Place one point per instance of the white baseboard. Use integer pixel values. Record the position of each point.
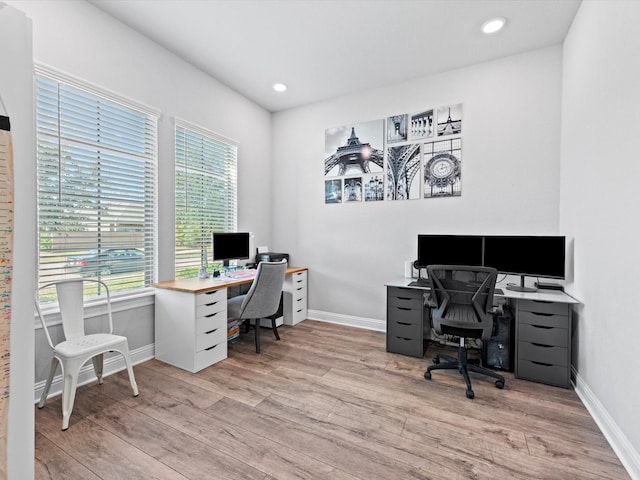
(111, 365)
(348, 320)
(629, 457)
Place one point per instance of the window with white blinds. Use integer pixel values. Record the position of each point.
(96, 185)
(206, 194)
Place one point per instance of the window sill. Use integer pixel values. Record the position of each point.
(119, 303)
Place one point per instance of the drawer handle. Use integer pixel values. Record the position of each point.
(211, 348)
(544, 327)
(210, 331)
(403, 308)
(541, 345)
(541, 314)
(300, 299)
(403, 338)
(210, 304)
(211, 315)
(542, 363)
(213, 292)
(403, 323)
(299, 288)
(298, 311)
(405, 298)
(299, 281)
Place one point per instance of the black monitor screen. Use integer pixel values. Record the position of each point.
(449, 250)
(230, 246)
(526, 255)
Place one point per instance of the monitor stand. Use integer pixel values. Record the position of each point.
(521, 287)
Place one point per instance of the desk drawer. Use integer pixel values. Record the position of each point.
(406, 315)
(413, 347)
(543, 307)
(295, 281)
(544, 319)
(211, 309)
(405, 302)
(543, 353)
(211, 355)
(210, 338)
(211, 322)
(543, 372)
(210, 297)
(543, 335)
(402, 329)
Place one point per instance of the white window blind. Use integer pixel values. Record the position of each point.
(206, 196)
(96, 185)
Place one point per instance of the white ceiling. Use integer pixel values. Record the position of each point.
(327, 48)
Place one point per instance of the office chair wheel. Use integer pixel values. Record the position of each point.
(470, 394)
(427, 375)
(499, 384)
(436, 360)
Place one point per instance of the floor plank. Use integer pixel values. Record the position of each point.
(325, 402)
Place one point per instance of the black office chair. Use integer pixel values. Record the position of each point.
(464, 299)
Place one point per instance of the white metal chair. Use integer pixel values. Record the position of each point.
(78, 347)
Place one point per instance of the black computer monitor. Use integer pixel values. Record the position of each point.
(449, 250)
(531, 256)
(230, 246)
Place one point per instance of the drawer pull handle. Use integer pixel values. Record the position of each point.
(211, 348)
(542, 363)
(541, 345)
(210, 331)
(541, 314)
(211, 315)
(299, 311)
(300, 299)
(213, 292)
(544, 327)
(403, 338)
(299, 289)
(403, 308)
(404, 298)
(210, 304)
(403, 323)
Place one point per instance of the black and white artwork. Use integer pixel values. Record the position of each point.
(442, 168)
(450, 120)
(354, 149)
(333, 191)
(403, 168)
(421, 125)
(352, 189)
(373, 188)
(397, 128)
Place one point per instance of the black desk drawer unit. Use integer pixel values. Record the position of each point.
(543, 349)
(404, 321)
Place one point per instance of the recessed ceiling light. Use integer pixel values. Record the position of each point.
(279, 87)
(493, 25)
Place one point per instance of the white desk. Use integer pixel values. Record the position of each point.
(191, 317)
(542, 328)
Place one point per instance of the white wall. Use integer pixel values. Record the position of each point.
(599, 207)
(510, 178)
(16, 65)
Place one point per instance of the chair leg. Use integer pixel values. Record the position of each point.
(132, 378)
(47, 386)
(70, 371)
(98, 362)
(274, 328)
(257, 328)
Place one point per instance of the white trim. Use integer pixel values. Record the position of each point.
(348, 320)
(140, 298)
(178, 122)
(51, 72)
(112, 365)
(620, 444)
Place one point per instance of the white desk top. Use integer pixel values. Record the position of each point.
(540, 295)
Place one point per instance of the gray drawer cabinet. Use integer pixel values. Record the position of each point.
(405, 331)
(543, 346)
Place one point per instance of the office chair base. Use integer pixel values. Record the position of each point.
(463, 366)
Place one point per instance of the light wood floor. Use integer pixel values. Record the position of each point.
(326, 402)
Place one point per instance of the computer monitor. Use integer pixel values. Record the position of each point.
(230, 246)
(449, 250)
(530, 256)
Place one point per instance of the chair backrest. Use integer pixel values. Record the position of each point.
(263, 298)
(70, 296)
(464, 299)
